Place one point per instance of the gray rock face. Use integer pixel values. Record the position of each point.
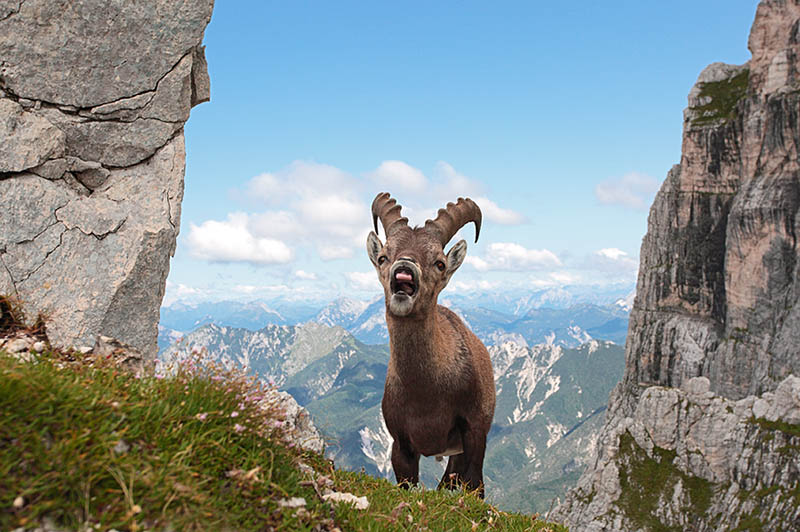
(714, 332)
(93, 100)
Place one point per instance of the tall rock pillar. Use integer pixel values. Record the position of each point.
(93, 98)
(704, 431)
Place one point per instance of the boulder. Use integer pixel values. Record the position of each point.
(95, 95)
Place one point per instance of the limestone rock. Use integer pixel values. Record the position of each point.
(711, 395)
(90, 53)
(28, 140)
(298, 425)
(95, 95)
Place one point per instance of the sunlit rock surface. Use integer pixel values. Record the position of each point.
(708, 408)
(93, 98)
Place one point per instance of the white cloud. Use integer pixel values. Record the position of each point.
(633, 190)
(315, 206)
(508, 256)
(611, 260)
(611, 253)
(472, 285)
(249, 289)
(367, 281)
(306, 276)
(179, 291)
(310, 204)
(333, 252)
(447, 186)
(394, 175)
(494, 213)
(232, 241)
(453, 185)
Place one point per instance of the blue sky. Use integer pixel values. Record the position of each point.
(561, 120)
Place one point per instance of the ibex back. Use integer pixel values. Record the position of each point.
(439, 395)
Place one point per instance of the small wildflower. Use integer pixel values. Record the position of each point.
(234, 414)
(201, 416)
(238, 428)
(19, 502)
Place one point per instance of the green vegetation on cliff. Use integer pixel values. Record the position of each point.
(724, 96)
(647, 481)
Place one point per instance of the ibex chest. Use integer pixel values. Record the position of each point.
(428, 421)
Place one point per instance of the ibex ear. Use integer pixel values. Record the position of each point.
(455, 257)
(374, 247)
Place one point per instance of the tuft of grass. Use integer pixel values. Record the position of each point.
(84, 442)
(392, 508)
(12, 319)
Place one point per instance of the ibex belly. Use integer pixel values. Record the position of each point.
(430, 438)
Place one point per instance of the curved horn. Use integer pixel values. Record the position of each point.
(455, 216)
(388, 210)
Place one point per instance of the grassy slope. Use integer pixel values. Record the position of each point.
(189, 463)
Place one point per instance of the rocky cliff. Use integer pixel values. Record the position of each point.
(703, 433)
(93, 98)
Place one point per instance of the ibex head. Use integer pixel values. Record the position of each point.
(412, 265)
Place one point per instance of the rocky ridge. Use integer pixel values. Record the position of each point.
(709, 402)
(93, 98)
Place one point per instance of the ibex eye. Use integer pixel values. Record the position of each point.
(440, 265)
(381, 259)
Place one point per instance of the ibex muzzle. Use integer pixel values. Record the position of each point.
(439, 396)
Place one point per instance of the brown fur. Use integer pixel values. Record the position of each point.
(439, 392)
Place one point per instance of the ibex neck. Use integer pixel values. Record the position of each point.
(412, 344)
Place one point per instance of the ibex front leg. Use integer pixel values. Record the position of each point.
(406, 465)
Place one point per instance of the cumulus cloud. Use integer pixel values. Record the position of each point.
(250, 289)
(633, 190)
(233, 241)
(179, 291)
(306, 276)
(509, 256)
(307, 204)
(446, 185)
(316, 206)
(494, 213)
(366, 281)
(393, 175)
(612, 260)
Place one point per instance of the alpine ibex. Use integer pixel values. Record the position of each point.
(439, 395)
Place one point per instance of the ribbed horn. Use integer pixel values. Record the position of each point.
(388, 210)
(453, 217)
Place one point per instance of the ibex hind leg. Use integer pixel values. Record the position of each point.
(465, 470)
(405, 463)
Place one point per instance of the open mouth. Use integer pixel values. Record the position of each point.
(403, 282)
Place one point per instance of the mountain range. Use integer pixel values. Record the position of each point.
(567, 316)
(550, 395)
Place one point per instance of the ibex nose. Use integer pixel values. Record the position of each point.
(409, 259)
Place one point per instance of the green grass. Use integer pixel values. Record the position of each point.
(392, 508)
(725, 96)
(647, 481)
(788, 429)
(190, 463)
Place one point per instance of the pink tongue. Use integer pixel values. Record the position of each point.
(403, 276)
